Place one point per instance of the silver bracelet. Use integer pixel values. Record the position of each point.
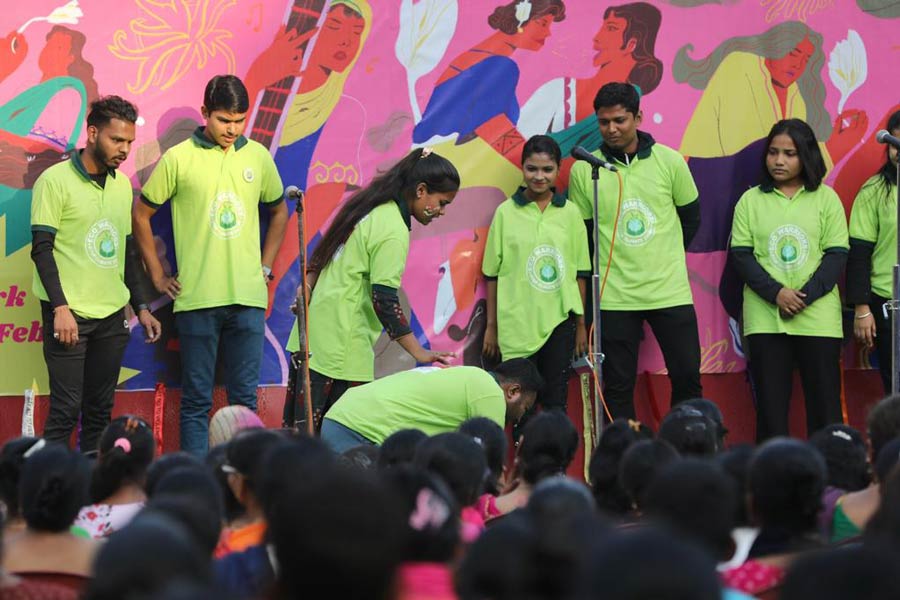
(868, 314)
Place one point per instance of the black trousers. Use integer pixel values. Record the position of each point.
(554, 361)
(772, 360)
(621, 331)
(882, 340)
(83, 378)
(325, 391)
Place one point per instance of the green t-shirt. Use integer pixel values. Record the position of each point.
(431, 399)
(789, 236)
(536, 257)
(874, 219)
(90, 223)
(648, 268)
(215, 197)
(343, 326)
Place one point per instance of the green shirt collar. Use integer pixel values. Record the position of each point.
(769, 188)
(645, 147)
(404, 212)
(78, 164)
(520, 199)
(201, 140)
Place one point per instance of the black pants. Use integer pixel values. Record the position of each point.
(882, 340)
(325, 391)
(83, 378)
(772, 360)
(621, 331)
(554, 362)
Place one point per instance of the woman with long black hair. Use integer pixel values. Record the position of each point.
(356, 270)
(873, 252)
(789, 245)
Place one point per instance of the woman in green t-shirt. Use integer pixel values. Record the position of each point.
(789, 245)
(873, 252)
(536, 264)
(356, 268)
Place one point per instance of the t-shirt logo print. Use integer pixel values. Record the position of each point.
(637, 222)
(545, 268)
(226, 215)
(789, 247)
(102, 244)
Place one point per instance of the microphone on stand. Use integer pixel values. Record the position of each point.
(292, 191)
(579, 153)
(883, 137)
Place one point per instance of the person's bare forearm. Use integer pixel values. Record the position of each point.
(142, 231)
(275, 235)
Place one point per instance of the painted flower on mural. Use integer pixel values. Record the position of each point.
(172, 39)
(793, 9)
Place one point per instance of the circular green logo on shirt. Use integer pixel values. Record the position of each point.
(637, 223)
(226, 215)
(102, 244)
(788, 247)
(545, 268)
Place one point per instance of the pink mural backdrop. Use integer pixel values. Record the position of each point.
(343, 88)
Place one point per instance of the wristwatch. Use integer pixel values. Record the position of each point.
(267, 272)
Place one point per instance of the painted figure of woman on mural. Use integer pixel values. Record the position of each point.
(625, 51)
(476, 94)
(752, 82)
(62, 57)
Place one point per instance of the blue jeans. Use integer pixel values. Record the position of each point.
(340, 437)
(242, 331)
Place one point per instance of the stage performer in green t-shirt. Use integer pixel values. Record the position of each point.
(789, 244)
(873, 252)
(536, 264)
(216, 181)
(645, 275)
(355, 270)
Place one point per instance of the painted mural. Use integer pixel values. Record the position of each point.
(343, 88)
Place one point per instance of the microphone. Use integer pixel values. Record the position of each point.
(884, 137)
(579, 153)
(292, 191)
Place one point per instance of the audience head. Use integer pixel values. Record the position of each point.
(431, 515)
(399, 448)
(646, 563)
(844, 451)
(215, 461)
(194, 483)
(887, 458)
(456, 459)
(604, 468)
(295, 459)
(12, 458)
(53, 488)
(883, 424)
(202, 524)
(735, 463)
(244, 456)
(695, 499)
(492, 439)
(166, 463)
(853, 573)
(126, 450)
(521, 383)
(640, 463)
(337, 533)
(711, 411)
(558, 499)
(547, 446)
(690, 432)
(786, 480)
(143, 557)
(229, 420)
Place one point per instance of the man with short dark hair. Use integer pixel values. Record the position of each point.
(646, 275)
(431, 399)
(216, 181)
(86, 271)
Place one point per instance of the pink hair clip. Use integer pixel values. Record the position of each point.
(426, 151)
(124, 444)
(431, 511)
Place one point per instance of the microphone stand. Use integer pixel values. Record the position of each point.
(298, 381)
(894, 305)
(597, 355)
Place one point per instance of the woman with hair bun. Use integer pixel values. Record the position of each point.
(117, 492)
